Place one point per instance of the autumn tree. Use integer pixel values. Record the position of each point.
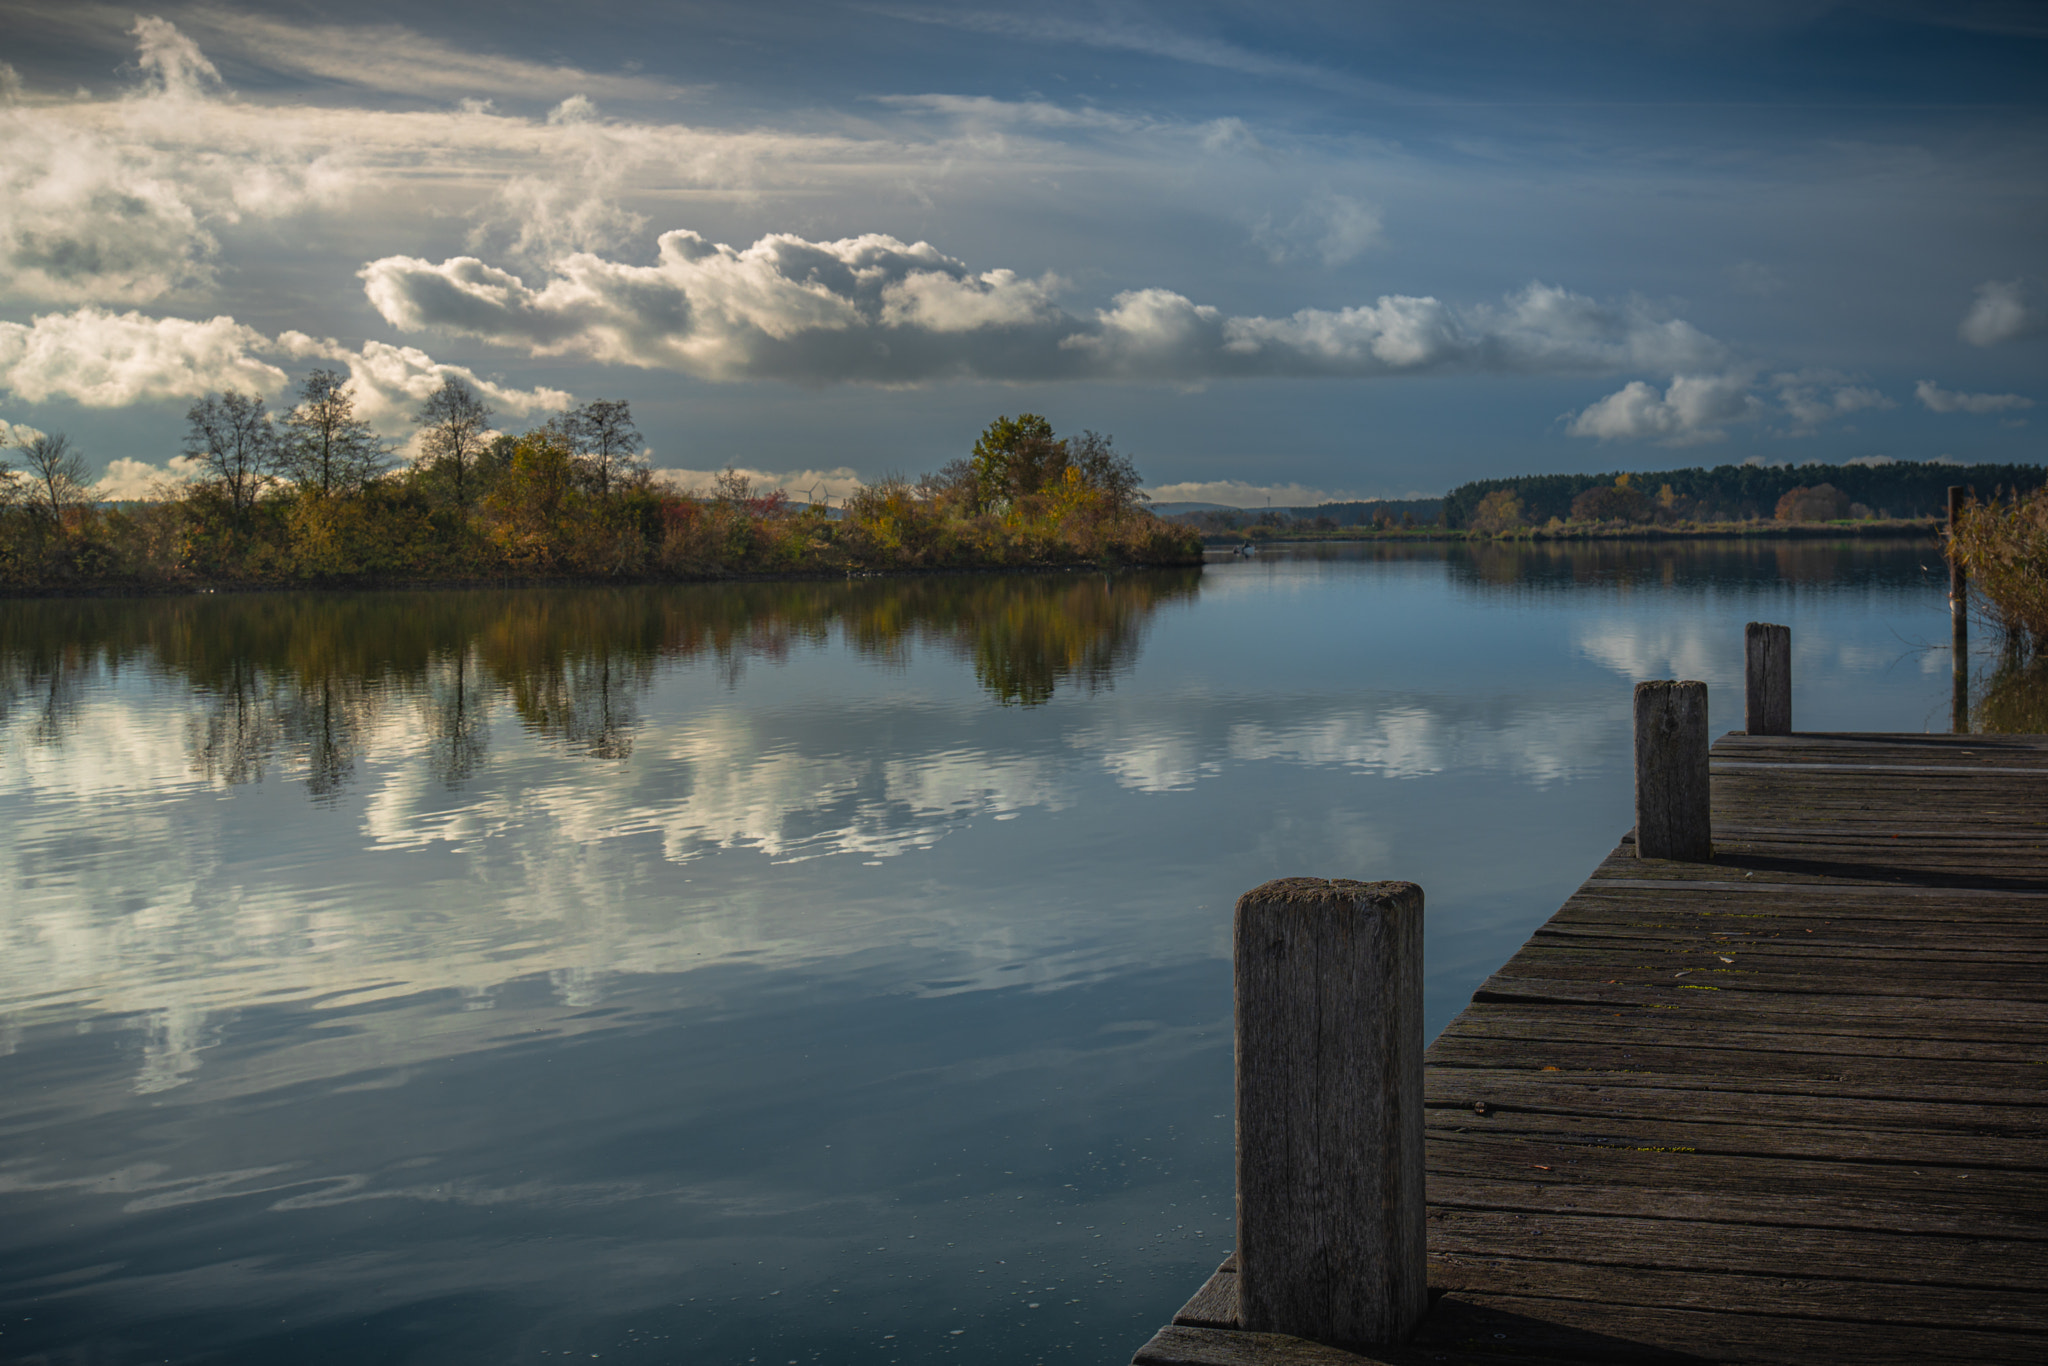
(55, 478)
(1107, 470)
(606, 442)
(456, 431)
(1821, 503)
(231, 436)
(1620, 503)
(1673, 505)
(1498, 511)
(325, 446)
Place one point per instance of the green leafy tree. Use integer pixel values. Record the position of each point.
(1015, 458)
(456, 433)
(326, 447)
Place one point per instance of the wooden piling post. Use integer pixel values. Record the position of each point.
(1673, 798)
(1766, 679)
(1959, 620)
(1331, 1236)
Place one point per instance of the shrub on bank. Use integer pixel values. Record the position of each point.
(550, 504)
(2004, 548)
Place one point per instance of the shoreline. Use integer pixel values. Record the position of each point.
(1921, 528)
(45, 593)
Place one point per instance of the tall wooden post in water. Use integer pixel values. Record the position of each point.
(1674, 816)
(1331, 1236)
(1766, 679)
(1959, 620)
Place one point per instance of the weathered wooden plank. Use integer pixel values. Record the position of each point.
(1803, 1297)
(2014, 980)
(1537, 1026)
(1176, 1345)
(1777, 1250)
(1575, 1330)
(1503, 1090)
(1930, 941)
(1642, 991)
(1659, 1063)
(1681, 1138)
(1215, 1304)
(1901, 1202)
(1641, 876)
(1847, 766)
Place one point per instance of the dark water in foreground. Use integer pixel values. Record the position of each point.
(766, 973)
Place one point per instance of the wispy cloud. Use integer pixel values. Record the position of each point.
(1940, 400)
(1239, 493)
(1330, 227)
(394, 60)
(1119, 34)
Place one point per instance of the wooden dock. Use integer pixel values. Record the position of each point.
(1790, 1105)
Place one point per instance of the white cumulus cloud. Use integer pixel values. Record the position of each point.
(129, 480)
(110, 360)
(874, 309)
(390, 382)
(2000, 313)
(1940, 400)
(14, 434)
(1693, 409)
(801, 485)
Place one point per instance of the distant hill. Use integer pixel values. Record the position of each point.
(1736, 492)
(1217, 517)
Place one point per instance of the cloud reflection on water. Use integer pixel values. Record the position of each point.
(519, 757)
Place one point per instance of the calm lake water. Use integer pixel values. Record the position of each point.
(768, 973)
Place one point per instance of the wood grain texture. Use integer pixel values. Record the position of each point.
(1329, 1110)
(1767, 679)
(1786, 1106)
(1673, 815)
(1215, 1304)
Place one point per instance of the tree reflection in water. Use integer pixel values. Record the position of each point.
(315, 680)
(2015, 696)
(1539, 566)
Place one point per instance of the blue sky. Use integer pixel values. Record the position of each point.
(1313, 250)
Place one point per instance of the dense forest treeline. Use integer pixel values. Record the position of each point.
(1728, 493)
(314, 497)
